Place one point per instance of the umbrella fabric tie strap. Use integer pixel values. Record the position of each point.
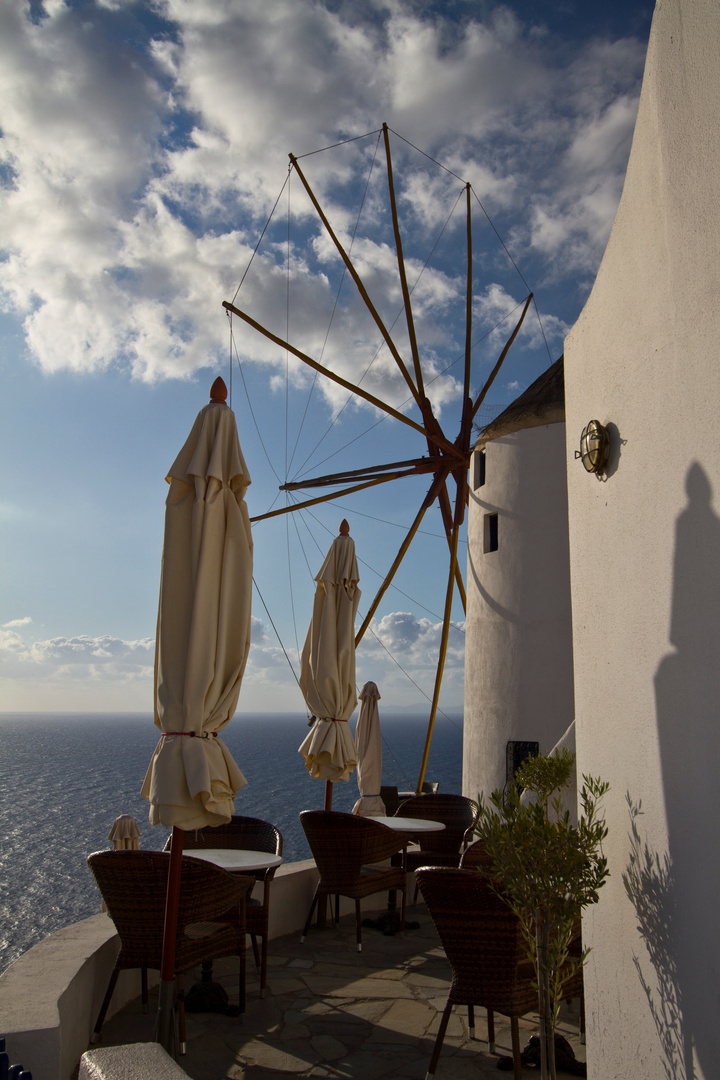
(192, 734)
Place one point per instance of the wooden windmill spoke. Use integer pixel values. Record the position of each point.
(449, 535)
(468, 304)
(333, 495)
(361, 288)
(438, 482)
(401, 269)
(503, 354)
(415, 465)
(459, 512)
(443, 442)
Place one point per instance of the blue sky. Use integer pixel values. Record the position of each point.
(143, 147)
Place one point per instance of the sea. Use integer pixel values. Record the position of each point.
(66, 777)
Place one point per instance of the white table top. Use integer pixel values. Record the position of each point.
(237, 859)
(410, 824)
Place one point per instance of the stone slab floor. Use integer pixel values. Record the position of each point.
(331, 1012)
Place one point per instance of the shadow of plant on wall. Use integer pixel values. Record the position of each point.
(650, 886)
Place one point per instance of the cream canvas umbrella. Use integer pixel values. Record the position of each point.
(125, 834)
(368, 748)
(327, 666)
(203, 638)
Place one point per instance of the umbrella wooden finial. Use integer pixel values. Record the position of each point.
(218, 391)
(344, 528)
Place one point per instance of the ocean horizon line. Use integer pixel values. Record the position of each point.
(390, 711)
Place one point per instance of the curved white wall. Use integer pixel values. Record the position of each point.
(645, 559)
(518, 640)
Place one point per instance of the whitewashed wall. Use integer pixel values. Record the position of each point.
(645, 567)
(518, 641)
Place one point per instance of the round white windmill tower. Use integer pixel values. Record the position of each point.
(518, 644)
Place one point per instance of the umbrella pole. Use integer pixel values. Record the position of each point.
(166, 1003)
(328, 794)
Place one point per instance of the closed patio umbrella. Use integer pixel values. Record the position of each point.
(202, 644)
(125, 834)
(368, 748)
(327, 666)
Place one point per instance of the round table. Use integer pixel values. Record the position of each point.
(410, 824)
(237, 860)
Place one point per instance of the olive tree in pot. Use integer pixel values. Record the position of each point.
(547, 868)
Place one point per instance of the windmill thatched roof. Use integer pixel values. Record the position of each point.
(542, 403)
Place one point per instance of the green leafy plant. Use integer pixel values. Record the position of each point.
(547, 869)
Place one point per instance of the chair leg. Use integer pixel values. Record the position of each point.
(241, 979)
(311, 912)
(515, 1035)
(403, 908)
(263, 964)
(491, 1031)
(256, 954)
(358, 931)
(144, 985)
(104, 1007)
(439, 1041)
(471, 1021)
(180, 1005)
(337, 908)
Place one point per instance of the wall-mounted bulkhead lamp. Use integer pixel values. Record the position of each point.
(594, 448)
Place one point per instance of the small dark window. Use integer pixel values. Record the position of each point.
(490, 532)
(478, 469)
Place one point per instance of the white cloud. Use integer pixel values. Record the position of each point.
(404, 633)
(498, 312)
(399, 652)
(155, 167)
(81, 657)
(25, 621)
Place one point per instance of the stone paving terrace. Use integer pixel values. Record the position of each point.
(331, 1012)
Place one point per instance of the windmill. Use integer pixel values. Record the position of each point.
(448, 455)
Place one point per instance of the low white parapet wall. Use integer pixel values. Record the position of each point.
(50, 997)
(132, 1062)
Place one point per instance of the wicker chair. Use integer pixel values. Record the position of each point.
(475, 857)
(483, 942)
(389, 795)
(344, 847)
(439, 848)
(250, 834)
(211, 916)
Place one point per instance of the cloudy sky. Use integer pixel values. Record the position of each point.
(144, 148)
